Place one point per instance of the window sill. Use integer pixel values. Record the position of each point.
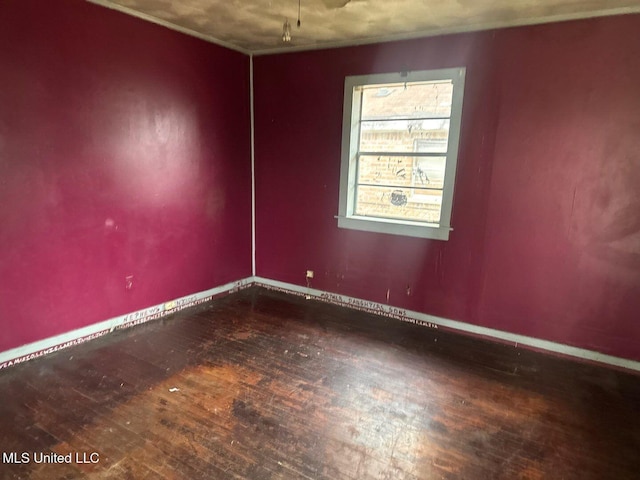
(395, 227)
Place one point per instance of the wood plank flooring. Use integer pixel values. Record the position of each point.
(260, 385)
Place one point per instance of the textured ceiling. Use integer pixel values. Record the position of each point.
(256, 25)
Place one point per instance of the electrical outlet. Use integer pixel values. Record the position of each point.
(309, 273)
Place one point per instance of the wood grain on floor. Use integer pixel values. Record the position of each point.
(260, 385)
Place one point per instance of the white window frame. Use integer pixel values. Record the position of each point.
(350, 145)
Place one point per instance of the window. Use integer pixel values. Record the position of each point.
(399, 151)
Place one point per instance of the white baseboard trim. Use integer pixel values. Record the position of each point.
(432, 321)
(37, 349)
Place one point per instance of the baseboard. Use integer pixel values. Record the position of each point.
(81, 335)
(75, 337)
(432, 321)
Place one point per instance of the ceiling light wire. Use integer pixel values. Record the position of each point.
(286, 27)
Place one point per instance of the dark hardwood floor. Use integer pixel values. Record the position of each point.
(260, 385)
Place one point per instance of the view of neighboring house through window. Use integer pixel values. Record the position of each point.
(400, 142)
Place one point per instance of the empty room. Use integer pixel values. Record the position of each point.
(320, 239)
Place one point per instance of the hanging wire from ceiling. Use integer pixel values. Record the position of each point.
(286, 27)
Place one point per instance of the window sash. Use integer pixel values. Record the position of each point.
(351, 140)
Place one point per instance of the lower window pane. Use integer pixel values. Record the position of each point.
(414, 204)
(424, 172)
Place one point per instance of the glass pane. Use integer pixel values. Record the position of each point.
(405, 136)
(412, 100)
(429, 172)
(419, 205)
(424, 172)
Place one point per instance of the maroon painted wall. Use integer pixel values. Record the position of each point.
(124, 150)
(547, 203)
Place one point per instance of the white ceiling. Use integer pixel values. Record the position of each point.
(255, 26)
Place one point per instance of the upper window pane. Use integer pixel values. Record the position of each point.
(400, 100)
(404, 136)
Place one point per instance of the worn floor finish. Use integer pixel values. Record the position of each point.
(277, 387)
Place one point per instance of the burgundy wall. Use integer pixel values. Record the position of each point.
(547, 202)
(124, 150)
